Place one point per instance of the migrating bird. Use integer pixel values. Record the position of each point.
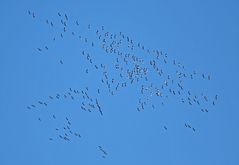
(102, 150)
(66, 17)
(77, 23)
(209, 77)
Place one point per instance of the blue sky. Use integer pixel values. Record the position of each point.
(202, 35)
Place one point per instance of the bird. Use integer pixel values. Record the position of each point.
(102, 150)
(66, 17)
(77, 23)
(66, 139)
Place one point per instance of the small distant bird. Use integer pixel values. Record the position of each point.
(209, 77)
(77, 23)
(66, 17)
(69, 123)
(213, 103)
(67, 139)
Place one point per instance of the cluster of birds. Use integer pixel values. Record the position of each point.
(189, 126)
(88, 103)
(66, 133)
(131, 64)
(102, 150)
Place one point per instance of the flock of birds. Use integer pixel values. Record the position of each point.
(132, 65)
(87, 102)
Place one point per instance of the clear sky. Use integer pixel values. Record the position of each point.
(203, 35)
